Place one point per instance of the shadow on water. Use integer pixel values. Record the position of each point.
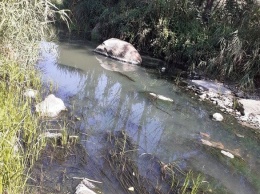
(109, 102)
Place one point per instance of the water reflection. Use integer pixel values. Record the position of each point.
(109, 102)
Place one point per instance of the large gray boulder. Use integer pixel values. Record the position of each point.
(119, 50)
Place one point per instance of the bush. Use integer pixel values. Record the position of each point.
(220, 37)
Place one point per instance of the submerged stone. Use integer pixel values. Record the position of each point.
(85, 187)
(228, 154)
(217, 117)
(50, 107)
(82, 189)
(119, 50)
(160, 97)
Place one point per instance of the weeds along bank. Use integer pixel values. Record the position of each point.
(220, 37)
(23, 24)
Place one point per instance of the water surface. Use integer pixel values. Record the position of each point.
(111, 96)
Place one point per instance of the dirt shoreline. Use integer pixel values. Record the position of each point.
(244, 107)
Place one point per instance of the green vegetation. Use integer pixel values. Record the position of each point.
(218, 37)
(19, 145)
(133, 172)
(23, 24)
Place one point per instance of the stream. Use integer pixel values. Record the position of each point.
(108, 96)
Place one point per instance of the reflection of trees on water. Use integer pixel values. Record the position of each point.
(110, 107)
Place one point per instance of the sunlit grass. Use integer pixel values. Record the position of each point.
(23, 24)
(19, 145)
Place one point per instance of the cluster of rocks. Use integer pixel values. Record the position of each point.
(247, 111)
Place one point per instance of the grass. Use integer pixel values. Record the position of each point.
(146, 174)
(23, 24)
(19, 144)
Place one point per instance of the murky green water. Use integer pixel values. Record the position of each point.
(108, 101)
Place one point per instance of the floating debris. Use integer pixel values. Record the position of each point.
(161, 97)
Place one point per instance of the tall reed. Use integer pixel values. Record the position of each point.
(23, 24)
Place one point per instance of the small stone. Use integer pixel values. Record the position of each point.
(228, 154)
(203, 96)
(239, 135)
(161, 97)
(213, 144)
(131, 189)
(217, 117)
(205, 135)
(30, 93)
(51, 135)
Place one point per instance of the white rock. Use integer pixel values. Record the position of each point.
(82, 189)
(30, 93)
(203, 96)
(161, 97)
(51, 106)
(131, 188)
(228, 154)
(217, 117)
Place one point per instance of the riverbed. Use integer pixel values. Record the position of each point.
(109, 97)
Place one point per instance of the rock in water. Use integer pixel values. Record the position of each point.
(82, 189)
(217, 117)
(161, 97)
(119, 50)
(51, 106)
(228, 154)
